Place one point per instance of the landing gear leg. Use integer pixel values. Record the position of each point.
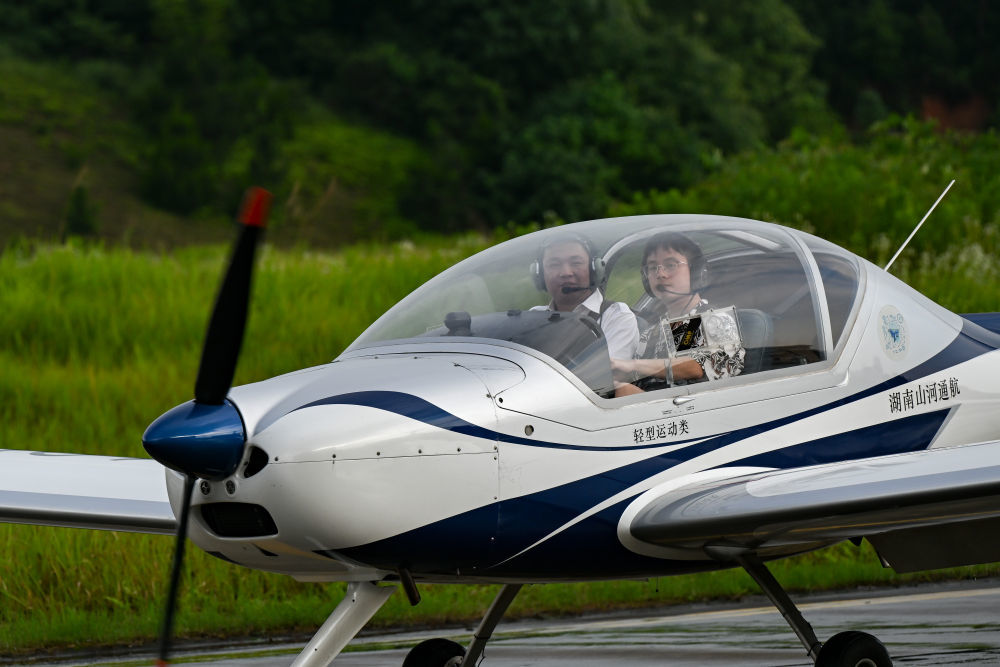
(756, 569)
(847, 649)
(360, 603)
(446, 653)
(489, 622)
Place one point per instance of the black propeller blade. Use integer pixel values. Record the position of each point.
(177, 430)
(167, 628)
(225, 330)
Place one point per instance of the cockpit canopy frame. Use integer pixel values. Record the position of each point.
(795, 294)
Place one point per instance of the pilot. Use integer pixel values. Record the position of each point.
(673, 270)
(570, 272)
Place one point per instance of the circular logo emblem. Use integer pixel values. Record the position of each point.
(892, 328)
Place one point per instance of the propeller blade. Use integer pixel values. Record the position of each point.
(225, 329)
(167, 629)
(198, 438)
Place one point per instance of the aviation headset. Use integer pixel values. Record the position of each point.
(597, 264)
(673, 241)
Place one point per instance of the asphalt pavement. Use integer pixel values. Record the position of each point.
(938, 624)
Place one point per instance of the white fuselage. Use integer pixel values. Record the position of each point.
(484, 460)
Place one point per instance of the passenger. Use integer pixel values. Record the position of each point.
(673, 270)
(570, 272)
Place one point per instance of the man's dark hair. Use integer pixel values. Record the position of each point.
(684, 246)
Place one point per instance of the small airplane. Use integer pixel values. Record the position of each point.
(474, 435)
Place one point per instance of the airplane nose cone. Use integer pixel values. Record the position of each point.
(198, 439)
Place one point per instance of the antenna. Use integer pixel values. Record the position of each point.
(917, 228)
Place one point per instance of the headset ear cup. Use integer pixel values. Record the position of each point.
(598, 269)
(645, 284)
(702, 277)
(535, 270)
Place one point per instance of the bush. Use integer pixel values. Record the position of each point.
(867, 197)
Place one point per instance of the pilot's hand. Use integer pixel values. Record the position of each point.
(622, 369)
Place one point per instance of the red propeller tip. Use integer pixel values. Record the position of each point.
(256, 205)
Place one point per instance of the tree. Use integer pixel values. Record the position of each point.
(774, 52)
(202, 108)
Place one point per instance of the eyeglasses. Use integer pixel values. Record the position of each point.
(668, 266)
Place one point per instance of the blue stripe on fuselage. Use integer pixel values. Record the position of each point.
(988, 321)
(414, 407)
(906, 434)
(407, 405)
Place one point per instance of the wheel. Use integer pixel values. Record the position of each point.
(853, 649)
(434, 653)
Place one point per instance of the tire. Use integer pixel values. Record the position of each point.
(853, 649)
(433, 653)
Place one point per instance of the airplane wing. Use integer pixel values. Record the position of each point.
(82, 491)
(921, 510)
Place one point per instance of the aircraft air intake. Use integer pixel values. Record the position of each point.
(238, 520)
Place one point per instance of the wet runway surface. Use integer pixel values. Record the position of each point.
(951, 624)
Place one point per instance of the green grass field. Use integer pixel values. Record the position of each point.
(99, 341)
